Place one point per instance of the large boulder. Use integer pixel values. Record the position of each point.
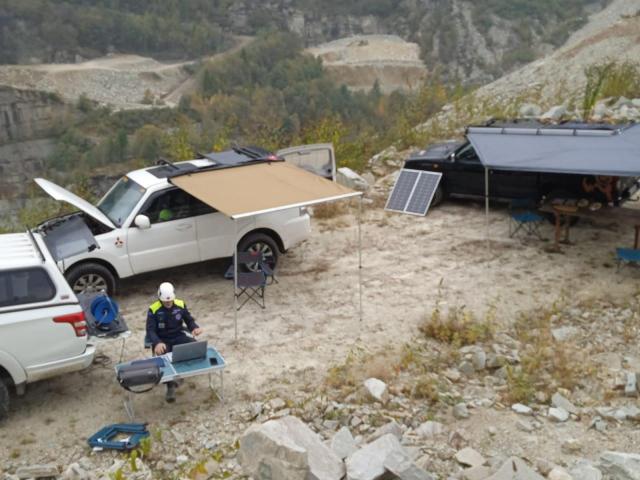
(381, 459)
(287, 449)
(621, 466)
(515, 469)
(343, 443)
(351, 179)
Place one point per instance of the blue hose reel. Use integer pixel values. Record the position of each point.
(104, 310)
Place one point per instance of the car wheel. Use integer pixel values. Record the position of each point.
(91, 277)
(4, 399)
(260, 242)
(438, 196)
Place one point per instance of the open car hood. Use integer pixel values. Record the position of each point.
(60, 194)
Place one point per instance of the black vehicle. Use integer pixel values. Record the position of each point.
(463, 175)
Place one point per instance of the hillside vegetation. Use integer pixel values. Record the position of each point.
(472, 40)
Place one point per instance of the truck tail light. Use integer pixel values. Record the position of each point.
(76, 320)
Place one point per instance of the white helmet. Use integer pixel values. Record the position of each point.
(166, 292)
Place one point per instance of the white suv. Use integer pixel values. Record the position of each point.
(144, 223)
(42, 325)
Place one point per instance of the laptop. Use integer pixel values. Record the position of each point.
(189, 351)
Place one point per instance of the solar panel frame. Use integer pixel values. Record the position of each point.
(423, 193)
(402, 190)
(421, 186)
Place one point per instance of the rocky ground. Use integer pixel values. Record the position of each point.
(458, 327)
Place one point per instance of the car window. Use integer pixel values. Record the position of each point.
(121, 200)
(29, 285)
(174, 204)
(467, 154)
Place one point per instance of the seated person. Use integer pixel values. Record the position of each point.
(166, 319)
(602, 188)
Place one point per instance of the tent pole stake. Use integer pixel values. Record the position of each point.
(360, 254)
(486, 202)
(235, 281)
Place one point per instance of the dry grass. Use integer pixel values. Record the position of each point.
(458, 327)
(359, 366)
(546, 364)
(325, 211)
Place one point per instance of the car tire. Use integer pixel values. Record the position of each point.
(262, 242)
(438, 196)
(91, 277)
(4, 399)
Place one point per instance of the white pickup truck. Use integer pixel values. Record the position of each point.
(43, 332)
(144, 223)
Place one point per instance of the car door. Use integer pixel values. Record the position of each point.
(171, 239)
(468, 174)
(215, 232)
(317, 158)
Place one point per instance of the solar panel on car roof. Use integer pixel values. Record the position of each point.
(402, 190)
(413, 191)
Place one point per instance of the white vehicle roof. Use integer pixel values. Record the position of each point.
(19, 250)
(147, 180)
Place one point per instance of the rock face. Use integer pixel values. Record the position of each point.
(287, 449)
(28, 114)
(384, 455)
(515, 469)
(620, 466)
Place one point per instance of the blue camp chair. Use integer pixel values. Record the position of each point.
(523, 218)
(627, 256)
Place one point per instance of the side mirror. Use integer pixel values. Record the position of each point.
(142, 222)
(452, 157)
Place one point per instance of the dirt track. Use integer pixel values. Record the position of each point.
(311, 320)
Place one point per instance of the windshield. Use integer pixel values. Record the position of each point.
(121, 200)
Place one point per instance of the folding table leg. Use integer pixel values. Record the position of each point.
(128, 407)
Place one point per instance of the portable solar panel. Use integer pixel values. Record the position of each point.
(413, 192)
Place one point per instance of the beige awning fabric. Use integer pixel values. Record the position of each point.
(250, 190)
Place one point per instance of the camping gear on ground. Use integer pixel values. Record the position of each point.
(523, 218)
(102, 315)
(139, 373)
(259, 263)
(627, 256)
(212, 363)
(107, 436)
(413, 192)
(251, 284)
(104, 310)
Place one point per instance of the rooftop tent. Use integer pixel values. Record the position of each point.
(595, 151)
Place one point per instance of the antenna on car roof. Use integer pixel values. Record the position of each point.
(164, 161)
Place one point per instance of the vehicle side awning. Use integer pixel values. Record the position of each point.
(595, 152)
(261, 188)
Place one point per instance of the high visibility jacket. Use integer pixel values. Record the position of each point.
(167, 324)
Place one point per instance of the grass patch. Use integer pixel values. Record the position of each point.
(457, 327)
(546, 365)
(325, 211)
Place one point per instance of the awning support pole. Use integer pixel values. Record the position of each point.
(360, 254)
(486, 202)
(235, 280)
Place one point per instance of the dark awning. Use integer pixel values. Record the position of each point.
(585, 151)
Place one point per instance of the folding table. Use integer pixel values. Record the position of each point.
(214, 363)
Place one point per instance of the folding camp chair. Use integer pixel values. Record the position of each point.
(524, 218)
(627, 256)
(251, 284)
(257, 263)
